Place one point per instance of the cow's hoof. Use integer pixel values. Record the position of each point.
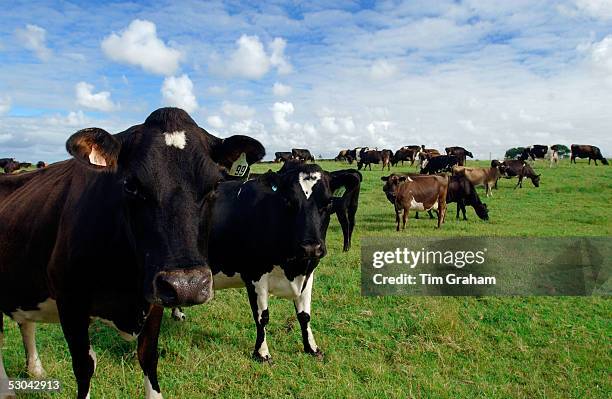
(177, 315)
(263, 359)
(318, 354)
(38, 372)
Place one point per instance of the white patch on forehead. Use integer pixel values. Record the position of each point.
(307, 181)
(176, 139)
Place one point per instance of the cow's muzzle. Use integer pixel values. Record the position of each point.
(312, 250)
(183, 287)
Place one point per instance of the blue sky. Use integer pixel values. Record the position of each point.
(324, 75)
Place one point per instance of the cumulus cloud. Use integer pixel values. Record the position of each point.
(280, 112)
(139, 45)
(601, 54)
(215, 121)
(250, 60)
(100, 101)
(34, 38)
(596, 8)
(382, 69)
(73, 119)
(178, 92)
(281, 90)
(237, 110)
(5, 103)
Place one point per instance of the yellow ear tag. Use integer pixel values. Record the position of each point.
(240, 166)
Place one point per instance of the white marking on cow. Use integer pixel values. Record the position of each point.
(176, 139)
(46, 312)
(307, 181)
(125, 335)
(95, 157)
(151, 393)
(302, 304)
(177, 314)
(93, 357)
(28, 336)
(419, 206)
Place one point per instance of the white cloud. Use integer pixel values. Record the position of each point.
(601, 54)
(178, 92)
(216, 90)
(280, 112)
(601, 9)
(250, 60)
(4, 137)
(100, 101)
(33, 38)
(329, 124)
(277, 58)
(237, 110)
(382, 69)
(139, 45)
(73, 119)
(215, 121)
(5, 103)
(281, 90)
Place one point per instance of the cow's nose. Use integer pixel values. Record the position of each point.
(183, 287)
(312, 249)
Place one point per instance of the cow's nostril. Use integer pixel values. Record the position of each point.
(166, 292)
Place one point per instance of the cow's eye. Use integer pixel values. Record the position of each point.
(132, 188)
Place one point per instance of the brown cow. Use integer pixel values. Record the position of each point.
(386, 156)
(486, 177)
(587, 151)
(421, 194)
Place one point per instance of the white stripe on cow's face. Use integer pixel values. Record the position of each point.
(307, 181)
(176, 139)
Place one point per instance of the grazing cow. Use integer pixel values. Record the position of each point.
(439, 164)
(343, 155)
(116, 233)
(515, 167)
(368, 157)
(404, 154)
(421, 194)
(587, 151)
(41, 164)
(302, 154)
(280, 220)
(534, 152)
(385, 157)
(462, 191)
(460, 152)
(282, 156)
(486, 177)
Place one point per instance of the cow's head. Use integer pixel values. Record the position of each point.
(535, 179)
(304, 193)
(160, 173)
(392, 182)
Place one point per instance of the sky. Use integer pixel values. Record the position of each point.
(323, 75)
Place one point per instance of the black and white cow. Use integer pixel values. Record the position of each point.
(439, 164)
(302, 154)
(116, 233)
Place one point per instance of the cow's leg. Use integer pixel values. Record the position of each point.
(430, 214)
(352, 210)
(3, 375)
(302, 311)
(28, 336)
(594, 159)
(258, 298)
(344, 224)
(147, 352)
(397, 217)
(404, 217)
(75, 325)
(178, 315)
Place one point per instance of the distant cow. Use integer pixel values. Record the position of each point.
(386, 156)
(486, 177)
(439, 164)
(368, 157)
(534, 152)
(425, 154)
(423, 193)
(282, 156)
(23, 165)
(9, 165)
(404, 154)
(302, 154)
(587, 151)
(520, 169)
(41, 164)
(343, 155)
(460, 152)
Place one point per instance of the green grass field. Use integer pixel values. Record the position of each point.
(387, 347)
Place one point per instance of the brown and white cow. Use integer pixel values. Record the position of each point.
(422, 193)
(425, 154)
(486, 177)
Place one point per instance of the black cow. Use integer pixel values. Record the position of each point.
(368, 157)
(404, 154)
(460, 152)
(115, 233)
(587, 151)
(9, 165)
(282, 156)
(439, 164)
(515, 167)
(386, 156)
(534, 152)
(463, 192)
(41, 164)
(280, 221)
(302, 154)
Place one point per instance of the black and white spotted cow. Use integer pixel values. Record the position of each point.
(279, 221)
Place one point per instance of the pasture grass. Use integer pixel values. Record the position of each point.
(385, 347)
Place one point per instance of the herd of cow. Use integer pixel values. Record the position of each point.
(150, 218)
(9, 165)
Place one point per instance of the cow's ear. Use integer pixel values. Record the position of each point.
(237, 153)
(95, 148)
(384, 178)
(270, 179)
